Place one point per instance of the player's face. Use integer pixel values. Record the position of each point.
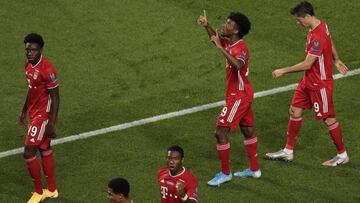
(174, 162)
(32, 52)
(229, 28)
(112, 197)
(303, 21)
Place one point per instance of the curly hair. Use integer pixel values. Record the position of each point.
(34, 38)
(242, 22)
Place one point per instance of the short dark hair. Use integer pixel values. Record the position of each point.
(34, 38)
(302, 8)
(120, 186)
(242, 22)
(177, 149)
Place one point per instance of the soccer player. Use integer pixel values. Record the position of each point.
(42, 105)
(176, 184)
(239, 96)
(315, 89)
(118, 191)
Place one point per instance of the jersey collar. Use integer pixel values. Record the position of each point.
(236, 43)
(179, 173)
(37, 62)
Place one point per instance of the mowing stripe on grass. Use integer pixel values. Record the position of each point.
(164, 116)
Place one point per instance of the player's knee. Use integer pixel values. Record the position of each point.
(220, 136)
(247, 131)
(295, 112)
(330, 121)
(29, 152)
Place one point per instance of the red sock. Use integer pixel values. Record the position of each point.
(294, 126)
(35, 173)
(48, 167)
(336, 136)
(250, 145)
(224, 155)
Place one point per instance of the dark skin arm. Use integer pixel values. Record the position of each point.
(214, 37)
(22, 117)
(54, 108)
(236, 63)
(181, 190)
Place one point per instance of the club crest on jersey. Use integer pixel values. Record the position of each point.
(315, 47)
(52, 78)
(35, 75)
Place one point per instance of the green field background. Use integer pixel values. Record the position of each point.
(120, 61)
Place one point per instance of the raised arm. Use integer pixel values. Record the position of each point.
(236, 63)
(202, 20)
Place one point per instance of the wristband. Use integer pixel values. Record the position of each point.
(185, 198)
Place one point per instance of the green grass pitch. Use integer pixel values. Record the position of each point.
(120, 61)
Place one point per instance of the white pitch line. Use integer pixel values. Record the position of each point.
(163, 117)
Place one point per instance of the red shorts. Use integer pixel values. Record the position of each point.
(235, 113)
(320, 100)
(36, 135)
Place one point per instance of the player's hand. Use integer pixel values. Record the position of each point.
(277, 73)
(202, 20)
(180, 187)
(22, 119)
(50, 130)
(341, 67)
(216, 40)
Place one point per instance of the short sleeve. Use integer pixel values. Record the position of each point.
(316, 47)
(240, 54)
(192, 189)
(51, 78)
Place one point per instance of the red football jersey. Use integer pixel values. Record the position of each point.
(40, 78)
(237, 83)
(319, 44)
(167, 182)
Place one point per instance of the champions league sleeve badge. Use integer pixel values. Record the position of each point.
(52, 78)
(315, 47)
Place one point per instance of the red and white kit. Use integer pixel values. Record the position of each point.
(40, 78)
(239, 92)
(316, 87)
(167, 184)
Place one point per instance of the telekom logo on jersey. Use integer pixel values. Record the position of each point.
(164, 192)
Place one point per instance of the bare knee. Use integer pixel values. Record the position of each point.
(29, 151)
(295, 112)
(221, 135)
(247, 131)
(330, 121)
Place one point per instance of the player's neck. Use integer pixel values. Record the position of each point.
(182, 169)
(234, 39)
(314, 23)
(35, 62)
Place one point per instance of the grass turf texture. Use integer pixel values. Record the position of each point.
(120, 61)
